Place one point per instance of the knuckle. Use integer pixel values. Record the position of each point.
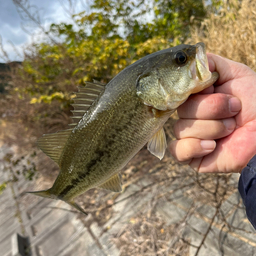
(175, 150)
(183, 150)
(219, 105)
(217, 129)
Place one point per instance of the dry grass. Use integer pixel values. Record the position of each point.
(232, 34)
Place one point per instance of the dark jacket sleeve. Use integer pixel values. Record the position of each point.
(247, 189)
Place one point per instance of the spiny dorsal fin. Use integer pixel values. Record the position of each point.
(98, 82)
(84, 99)
(157, 144)
(113, 184)
(52, 144)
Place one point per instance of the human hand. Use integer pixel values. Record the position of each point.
(216, 131)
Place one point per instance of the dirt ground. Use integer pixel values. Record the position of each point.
(153, 234)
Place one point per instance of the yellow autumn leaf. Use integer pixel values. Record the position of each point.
(33, 101)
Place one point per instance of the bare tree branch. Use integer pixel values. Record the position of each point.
(3, 53)
(29, 12)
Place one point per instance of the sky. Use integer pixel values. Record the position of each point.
(11, 23)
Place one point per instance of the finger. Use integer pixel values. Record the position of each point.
(231, 154)
(227, 69)
(209, 106)
(186, 149)
(208, 90)
(195, 163)
(204, 129)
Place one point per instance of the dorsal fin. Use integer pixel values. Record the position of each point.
(98, 82)
(52, 144)
(84, 99)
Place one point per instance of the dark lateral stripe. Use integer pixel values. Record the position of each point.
(64, 192)
(81, 177)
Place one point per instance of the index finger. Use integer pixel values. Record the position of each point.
(209, 106)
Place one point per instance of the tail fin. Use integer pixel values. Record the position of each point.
(47, 193)
(43, 193)
(72, 203)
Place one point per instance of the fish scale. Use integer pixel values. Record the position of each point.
(124, 115)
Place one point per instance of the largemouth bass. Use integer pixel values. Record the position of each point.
(112, 122)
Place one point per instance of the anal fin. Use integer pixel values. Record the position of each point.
(157, 144)
(113, 184)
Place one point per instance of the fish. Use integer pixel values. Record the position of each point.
(112, 122)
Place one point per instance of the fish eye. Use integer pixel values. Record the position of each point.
(180, 58)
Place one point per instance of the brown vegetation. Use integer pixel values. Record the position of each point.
(229, 33)
(232, 33)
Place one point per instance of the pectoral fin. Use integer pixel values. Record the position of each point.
(113, 184)
(157, 144)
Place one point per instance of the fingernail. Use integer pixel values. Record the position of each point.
(234, 104)
(230, 124)
(208, 144)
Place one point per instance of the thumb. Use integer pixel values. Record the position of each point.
(227, 69)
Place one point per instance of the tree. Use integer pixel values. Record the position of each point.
(97, 45)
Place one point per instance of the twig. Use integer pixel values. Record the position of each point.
(206, 234)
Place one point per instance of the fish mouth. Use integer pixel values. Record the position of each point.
(199, 68)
